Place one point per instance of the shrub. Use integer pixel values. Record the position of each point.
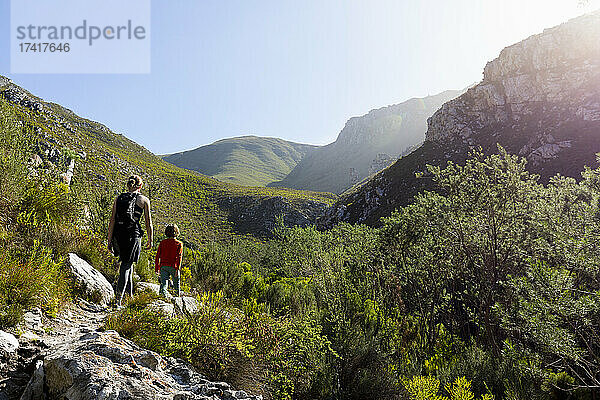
(90, 247)
(428, 388)
(248, 348)
(30, 280)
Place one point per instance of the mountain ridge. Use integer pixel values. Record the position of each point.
(248, 160)
(204, 208)
(540, 99)
(365, 145)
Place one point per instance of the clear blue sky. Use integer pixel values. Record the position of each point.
(291, 69)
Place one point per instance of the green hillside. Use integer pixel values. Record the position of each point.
(205, 208)
(485, 288)
(245, 160)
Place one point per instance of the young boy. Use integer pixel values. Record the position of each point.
(168, 259)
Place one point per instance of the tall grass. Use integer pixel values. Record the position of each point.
(33, 279)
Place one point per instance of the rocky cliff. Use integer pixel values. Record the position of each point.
(366, 145)
(540, 99)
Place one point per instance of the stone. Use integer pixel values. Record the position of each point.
(67, 176)
(4, 81)
(90, 281)
(35, 388)
(8, 343)
(185, 305)
(35, 161)
(33, 319)
(167, 309)
(103, 365)
(29, 336)
(147, 286)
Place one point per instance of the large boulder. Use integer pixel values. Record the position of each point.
(176, 307)
(8, 343)
(33, 320)
(90, 281)
(148, 287)
(185, 305)
(164, 308)
(103, 365)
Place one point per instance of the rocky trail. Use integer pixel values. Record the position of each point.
(70, 356)
(39, 337)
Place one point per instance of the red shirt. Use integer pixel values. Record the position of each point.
(168, 254)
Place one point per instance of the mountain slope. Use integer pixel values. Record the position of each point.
(540, 99)
(204, 208)
(245, 160)
(366, 145)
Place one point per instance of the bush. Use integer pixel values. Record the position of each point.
(248, 348)
(37, 281)
(93, 249)
(428, 388)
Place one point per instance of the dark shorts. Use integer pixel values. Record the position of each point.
(127, 248)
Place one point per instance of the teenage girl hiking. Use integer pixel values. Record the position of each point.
(125, 232)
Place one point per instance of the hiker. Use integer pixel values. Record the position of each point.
(125, 232)
(168, 260)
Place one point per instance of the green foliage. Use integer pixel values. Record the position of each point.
(36, 226)
(93, 249)
(246, 160)
(454, 249)
(427, 388)
(284, 357)
(43, 206)
(423, 388)
(553, 315)
(145, 267)
(30, 279)
(493, 277)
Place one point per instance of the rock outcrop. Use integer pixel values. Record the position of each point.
(255, 214)
(8, 343)
(103, 365)
(90, 281)
(532, 92)
(72, 358)
(171, 306)
(540, 99)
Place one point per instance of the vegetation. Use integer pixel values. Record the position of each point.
(245, 160)
(35, 225)
(487, 287)
(205, 209)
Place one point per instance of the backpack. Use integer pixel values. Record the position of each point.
(126, 217)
